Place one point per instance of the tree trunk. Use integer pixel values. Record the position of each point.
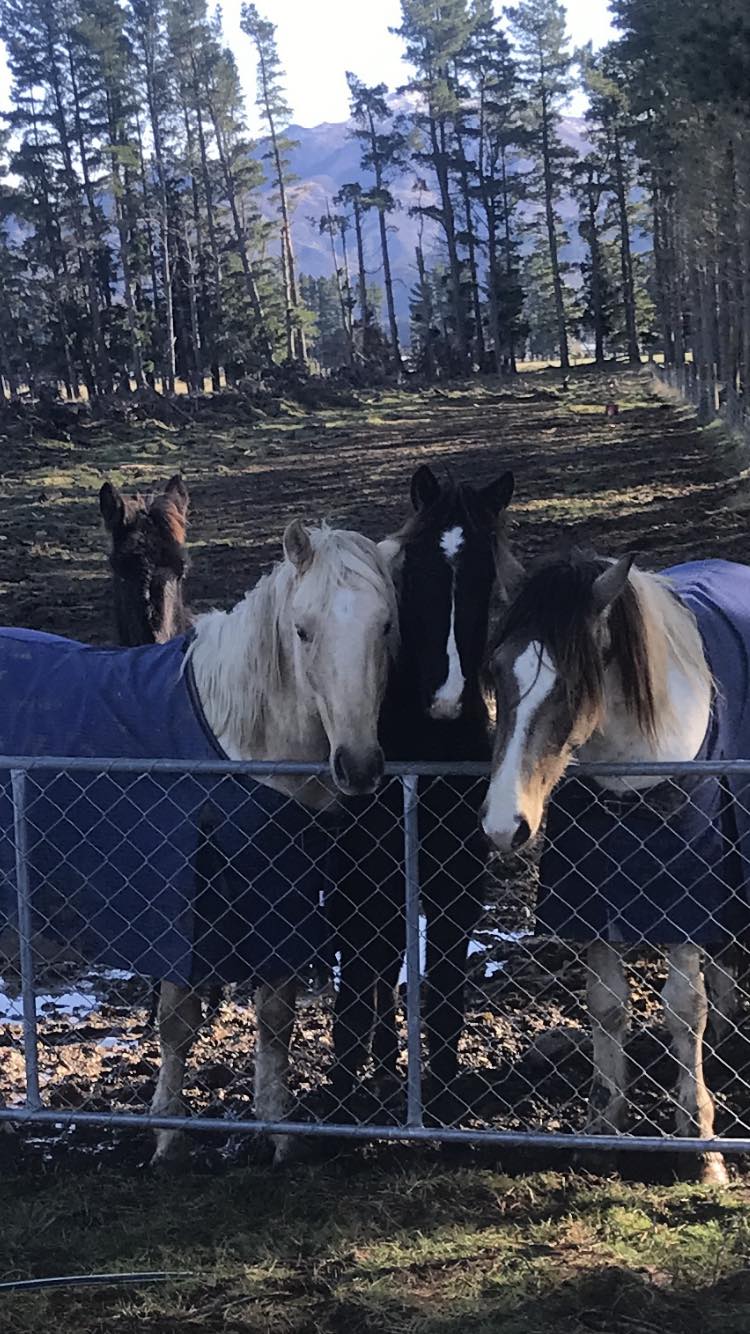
(161, 181)
(124, 240)
(626, 257)
(660, 271)
(218, 314)
(471, 253)
(440, 159)
(295, 332)
(363, 306)
(508, 255)
(147, 216)
(744, 230)
(100, 382)
(426, 299)
(345, 322)
(596, 277)
(94, 220)
(377, 165)
(347, 275)
(549, 212)
(251, 286)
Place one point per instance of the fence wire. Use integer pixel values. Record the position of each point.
(433, 1003)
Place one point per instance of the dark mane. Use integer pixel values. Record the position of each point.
(555, 606)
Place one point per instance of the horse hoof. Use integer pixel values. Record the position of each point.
(286, 1150)
(170, 1154)
(713, 1170)
(597, 1162)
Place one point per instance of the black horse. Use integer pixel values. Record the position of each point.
(454, 552)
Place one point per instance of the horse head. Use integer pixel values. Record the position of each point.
(343, 631)
(449, 556)
(149, 560)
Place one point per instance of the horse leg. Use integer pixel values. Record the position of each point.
(720, 972)
(274, 1011)
(685, 1013)
(385, 1035)
(447, 950)
(352, 1021)
(179, 1020)
(452, 866)
(608, 996)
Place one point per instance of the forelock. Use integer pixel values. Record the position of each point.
(347, 559)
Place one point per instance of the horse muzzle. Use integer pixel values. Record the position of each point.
(511, 836)
(357, 773)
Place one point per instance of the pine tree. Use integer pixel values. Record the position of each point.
(434, 37)
(609, 117)
(273, 105)
(383, 143)
(352, 195)
(544, 63)
(499, 179)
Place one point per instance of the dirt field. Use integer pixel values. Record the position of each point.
(379, 1241)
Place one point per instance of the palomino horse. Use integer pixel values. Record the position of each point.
(448, 557)
(603, 661)
(296, 670)
(148, 561)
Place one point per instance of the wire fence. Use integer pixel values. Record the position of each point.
(443, 992)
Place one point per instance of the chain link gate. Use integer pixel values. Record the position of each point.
(76, 1049)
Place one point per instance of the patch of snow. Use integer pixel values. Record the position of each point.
(69, 1004)
(496, 966)
(422, 953)
(112, 974)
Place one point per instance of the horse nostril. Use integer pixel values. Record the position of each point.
(339, 765)
(358, 774)
(521, 836)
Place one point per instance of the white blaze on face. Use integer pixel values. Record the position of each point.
(535, 676)
(446, 701)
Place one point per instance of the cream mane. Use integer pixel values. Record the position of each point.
(243, 658)
(673, 639)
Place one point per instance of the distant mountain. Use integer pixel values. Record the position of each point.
(326, 157)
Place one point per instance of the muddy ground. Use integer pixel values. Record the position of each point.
(648, 480)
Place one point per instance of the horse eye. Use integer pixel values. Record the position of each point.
(302, 634)
(387, 627)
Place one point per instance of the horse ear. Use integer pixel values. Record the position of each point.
(178, 494)
(498, 495)
(610, 584)
(298, 547)
(112, 506)
(425, 487)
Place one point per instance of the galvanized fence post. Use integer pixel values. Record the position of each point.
(413, 979)
(19, 786)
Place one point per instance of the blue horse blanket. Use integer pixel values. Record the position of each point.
(671, 863)
(184, 877)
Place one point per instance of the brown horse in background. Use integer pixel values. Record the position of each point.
(149, 561)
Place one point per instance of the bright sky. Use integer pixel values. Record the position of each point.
(320, 39)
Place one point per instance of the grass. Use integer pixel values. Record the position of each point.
(411, 1250)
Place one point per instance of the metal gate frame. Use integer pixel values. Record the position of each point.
(413, 1129)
